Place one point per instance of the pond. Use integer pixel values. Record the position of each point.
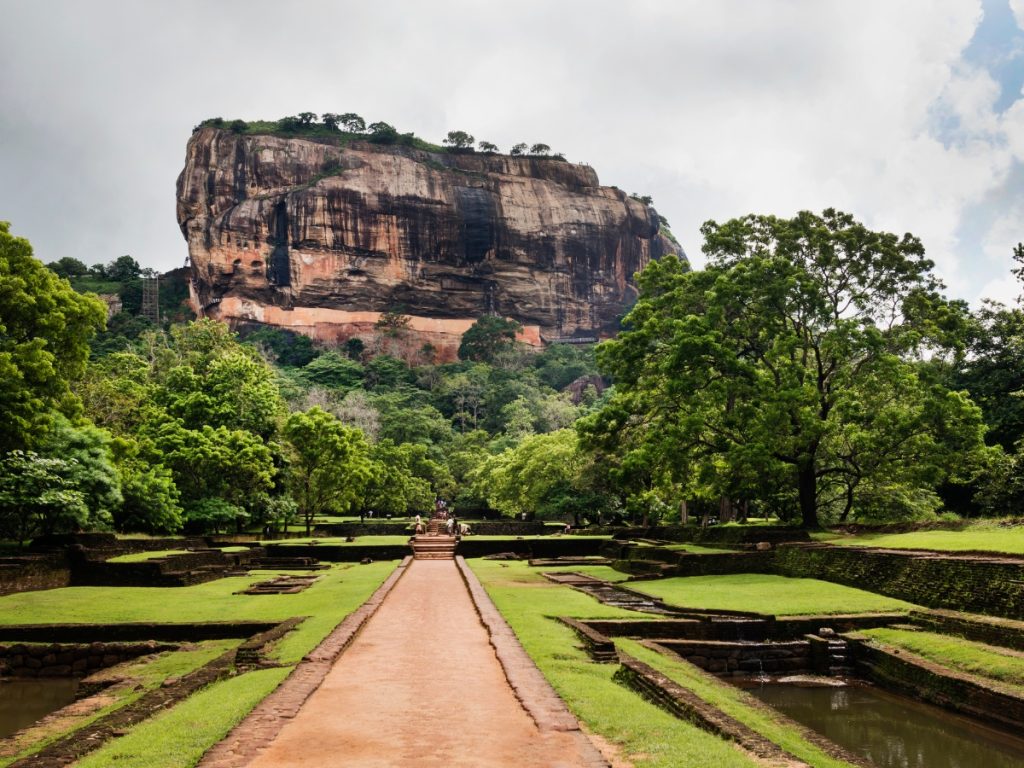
(893, 731)
(23, 701)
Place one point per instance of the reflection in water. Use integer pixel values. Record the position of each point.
(22, 702)
(893, 731)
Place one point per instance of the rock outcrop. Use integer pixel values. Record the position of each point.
(325, 239)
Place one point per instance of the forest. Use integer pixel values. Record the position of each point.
(814, 371)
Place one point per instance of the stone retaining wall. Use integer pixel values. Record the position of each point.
(70, 659)
(133, 631)
(912, 675)
(34, 572)
(990, 585)
(740, 659)
(983, 629)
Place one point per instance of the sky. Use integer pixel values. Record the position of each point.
(909, 114)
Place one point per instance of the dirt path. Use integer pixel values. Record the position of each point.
(419, 686)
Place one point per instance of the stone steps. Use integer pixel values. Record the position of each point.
(427, 547)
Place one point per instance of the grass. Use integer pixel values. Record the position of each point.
(140, 557)
(735, 702)
(176, 738)
(360, 541)
(179, 736)
(696, 549)
(145, 675)
(992, 662)
(648, 736)
(763, 593)
(980, 538)
(338, 592)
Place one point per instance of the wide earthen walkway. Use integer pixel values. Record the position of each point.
(420, 686)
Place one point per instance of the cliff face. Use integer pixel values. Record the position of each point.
(323, 239)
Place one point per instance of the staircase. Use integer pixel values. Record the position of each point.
(434, 544)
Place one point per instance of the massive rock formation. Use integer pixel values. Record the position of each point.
(324, 239)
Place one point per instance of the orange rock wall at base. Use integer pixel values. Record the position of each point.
(335, 326)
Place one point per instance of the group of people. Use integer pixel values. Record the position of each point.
(446, 515)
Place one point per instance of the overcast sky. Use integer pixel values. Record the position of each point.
(906, 113)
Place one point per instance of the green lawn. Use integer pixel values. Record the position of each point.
(648, 736)
(360, 541)
(735, 702)
(139, 557)
(339, 591)
(980, 538)
(177, 737)
(1000, 664)
(144, 675)
(696, 549)
(764, 593)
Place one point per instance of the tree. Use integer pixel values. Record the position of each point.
(34, 497)
(123, 268)
(488, 336)
(488, 147)
(45, 329)
(306, 118)
(234, 467)
(151, 499)
(334, 371)
(383, 133)
(330, 120)
(68, 267)
(459, 140)
(89, 470)
(353, 123)
(519, 149)
(540, 149)
(330, 464)
(754, 375)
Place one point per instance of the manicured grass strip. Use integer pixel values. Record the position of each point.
(603, 572)
(974, 658)
(983, 539)
(139, 557)
(696, 549)
(339, 591)
(765, 593)
(732, 701)
(148, 673)
(360, 541)
(178, 737)
(649, 736)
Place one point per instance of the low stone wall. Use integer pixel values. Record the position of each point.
(34, 572)
(989, 585)
(745, 628)
(70, 659)
(736, 535)
(553, 546)
(337, 553)
(129, 632)
(739, 659)
(369, 528)
(686, 705)
(641, 561)
(983, 629)
(900, 670)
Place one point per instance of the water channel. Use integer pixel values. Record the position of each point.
(893, 731)
(23, 701)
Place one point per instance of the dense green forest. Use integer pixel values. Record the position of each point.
(813, 371)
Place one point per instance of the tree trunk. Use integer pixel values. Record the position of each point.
(684, 514)
(849, 503)
(807, 485)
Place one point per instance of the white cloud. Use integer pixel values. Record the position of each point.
(716, 109)
(1017, 6)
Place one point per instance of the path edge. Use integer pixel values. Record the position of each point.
(531, 688)
(261, 726)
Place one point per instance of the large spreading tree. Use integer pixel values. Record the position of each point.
(788, 370)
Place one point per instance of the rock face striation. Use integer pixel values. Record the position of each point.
(327, 240)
